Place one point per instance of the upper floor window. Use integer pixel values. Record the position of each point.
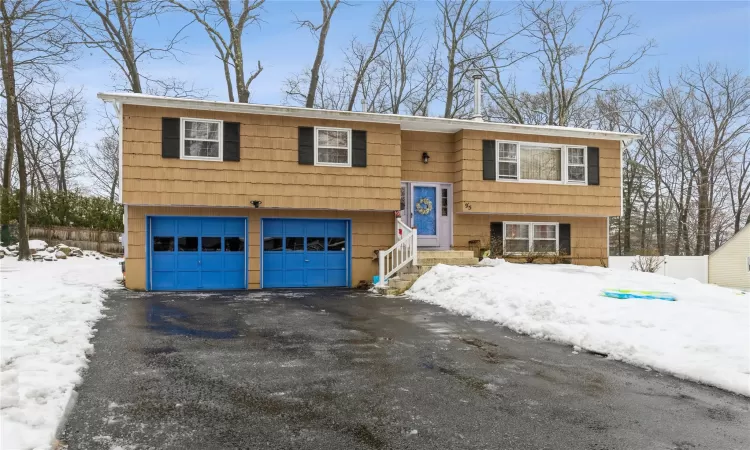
(333, 147)
(577, 165)
(201, 139)
(543, 163)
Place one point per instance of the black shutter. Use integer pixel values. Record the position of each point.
(496, 239)
(231, 141)
(359, 148)
(306, 144)
(593, 163)
(489, 167)
(170, 137)
(564, 239)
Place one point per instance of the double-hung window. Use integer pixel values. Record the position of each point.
(542, 163)
(576, 164)
(201, 139)
(528, 237)
(333, 147)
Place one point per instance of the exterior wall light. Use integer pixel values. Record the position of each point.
(425, 157)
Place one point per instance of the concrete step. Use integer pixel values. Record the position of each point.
(401, 285)
(447, 254)
(449, 261)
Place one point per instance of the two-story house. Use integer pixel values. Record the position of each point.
(224, 195)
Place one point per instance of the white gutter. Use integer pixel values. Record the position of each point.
(413, 123)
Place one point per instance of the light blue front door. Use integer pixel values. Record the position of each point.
(424, 211)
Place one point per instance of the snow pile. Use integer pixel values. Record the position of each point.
(48, 311)
(704, 336)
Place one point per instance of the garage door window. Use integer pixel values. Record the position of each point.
(163, 244)
(316, 244)
(273, 244)
(234, 244)
(336, 244)
(295, 244)
(211, 244)
(187, 244)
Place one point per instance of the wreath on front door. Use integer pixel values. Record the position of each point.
(424, 206)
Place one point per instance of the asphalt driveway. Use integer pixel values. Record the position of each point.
(345, 369)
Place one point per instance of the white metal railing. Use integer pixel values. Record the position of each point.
(402, 253)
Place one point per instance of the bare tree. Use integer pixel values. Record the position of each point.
(62, 115)
(103, 163)
(569, 70)
(654, 123)
(111, 25)
(399, 62)
(216, 14)
(363, 56)
(737, 172)
(32, 40)
(460, 23)
(320, 31)
(428, 87)
(711, 107)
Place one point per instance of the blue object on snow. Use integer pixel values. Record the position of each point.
(376, 279)
(626, 294)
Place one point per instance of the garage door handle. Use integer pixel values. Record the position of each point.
(307, 260)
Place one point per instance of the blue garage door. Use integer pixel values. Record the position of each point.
(194, 253)
(305, 253)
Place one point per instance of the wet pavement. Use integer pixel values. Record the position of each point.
(346, 369)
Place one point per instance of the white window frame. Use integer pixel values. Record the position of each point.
(563, 163)
(585, 165)
(349, 147)
(531, 237)
(220, 139)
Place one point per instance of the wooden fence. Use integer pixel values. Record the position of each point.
(83, 238)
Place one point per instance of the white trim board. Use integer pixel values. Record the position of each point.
(413, 123)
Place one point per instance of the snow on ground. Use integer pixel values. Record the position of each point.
(703, 336)
(47, 314)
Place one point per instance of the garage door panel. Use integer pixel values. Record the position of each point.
(235, 280)
(305, 252)
(164, 227)
(188, 280)
(189, 253)
(336, 277)
(163, 261)
(234, 228)
(188, 227)
(213, 261)
(187, 261)
(316, 277)
(212, 227)
(336, 228)
(233, 260)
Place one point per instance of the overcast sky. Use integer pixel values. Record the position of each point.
(685, 32)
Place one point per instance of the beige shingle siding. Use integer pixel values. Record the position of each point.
(588, 235)
(483, 196)
(728, 265)
(440, 148)
(268, 169)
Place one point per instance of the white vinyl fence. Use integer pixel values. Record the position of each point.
(681, 267)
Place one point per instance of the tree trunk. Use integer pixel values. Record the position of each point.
(7, 191)
(315, 71)
(14, 132)
(703, 237)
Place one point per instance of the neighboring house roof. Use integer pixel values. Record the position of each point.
(745, 229)
(413, 123)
